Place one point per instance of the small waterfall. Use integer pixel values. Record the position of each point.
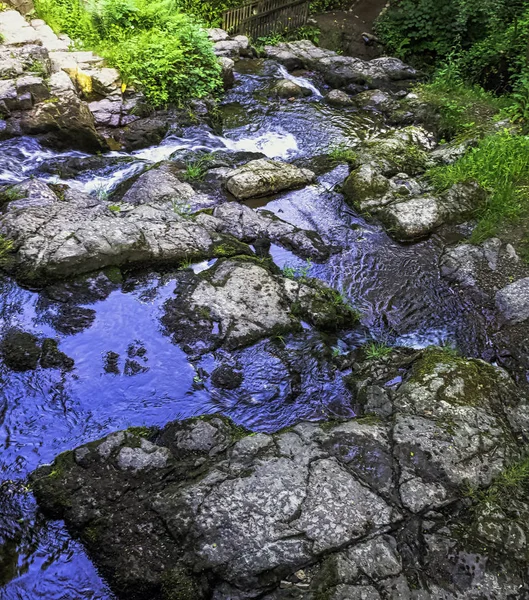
(301, 81)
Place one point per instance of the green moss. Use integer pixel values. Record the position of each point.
(114, 274)
(479, 379)
(142, 431)
(179, 584)
(228, 247)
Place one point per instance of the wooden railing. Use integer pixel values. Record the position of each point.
(259, 18)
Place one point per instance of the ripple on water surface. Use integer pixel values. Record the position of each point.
(127, 372)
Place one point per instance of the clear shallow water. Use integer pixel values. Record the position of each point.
(150, 381)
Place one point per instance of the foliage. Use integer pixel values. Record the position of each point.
(500, 163)
(197, 168)
(375, 350)
(343, 154)
(307, 32)
(512, 482)
(490, 37)
(152, 45)
(464, 109)
(321, 6)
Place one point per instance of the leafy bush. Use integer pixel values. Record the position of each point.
(152, 45)
(307, 32)
(489, 36)
(500, 163)
(465, 110)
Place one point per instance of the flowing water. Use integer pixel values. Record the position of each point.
(129, 373)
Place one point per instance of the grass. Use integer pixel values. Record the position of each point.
(500, 164)
(197, 168)
(343, 154)
(513, 482)
(375, 350)
(465, 110)
(11, 194)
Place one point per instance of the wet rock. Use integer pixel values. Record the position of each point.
(161, 186)
(59, 237)
(343, 71)
(64, 122)
(312, 511)
(237, 302)
(20, 350)
(228, 77)
(339, 98)
(226, 377)
(285, 88)
(143, 133)
(253, 227)
(512, 302)
(376, 100)
(265, 177)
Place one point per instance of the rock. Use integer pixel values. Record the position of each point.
(339, 98)
(343, 71)
(312, 511)
(376, 100)
(416, 218)
(237, 302)
(160, 186)
(64, 122)
(15, 30)
(33, 85)
(53, 358)
(265, 177)
(228, 77)
(285, 88)
(512, 302)
(365, 183)
(143, 133)
(217, 35)
(250, 226)
(23, 351)
(59, 237)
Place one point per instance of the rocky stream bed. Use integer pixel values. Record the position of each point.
(188, 404)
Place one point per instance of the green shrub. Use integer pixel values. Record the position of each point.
(500, 163)
(152, 45)
(464, 109)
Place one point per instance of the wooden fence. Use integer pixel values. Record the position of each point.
(262, 17)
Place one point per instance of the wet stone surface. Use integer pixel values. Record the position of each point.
(207, 305)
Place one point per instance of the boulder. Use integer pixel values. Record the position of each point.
(228, 77)
(161, 186)
(416, 218)
(31, 84)
(512, 302)
(265, 177)
(252, 226)
(339, 98)
(343, 71)
(285, 88)
(376, 100)
(64, 122)
(362, 509)
(237, 302)
(56, 236)
(143, 133)
(217, 35)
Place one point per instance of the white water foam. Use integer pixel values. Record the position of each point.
(301, 81)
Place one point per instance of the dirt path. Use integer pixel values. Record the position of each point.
(342, 30)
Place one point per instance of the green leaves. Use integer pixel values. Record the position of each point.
(152, 45)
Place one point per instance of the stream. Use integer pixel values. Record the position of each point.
(129, 373)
